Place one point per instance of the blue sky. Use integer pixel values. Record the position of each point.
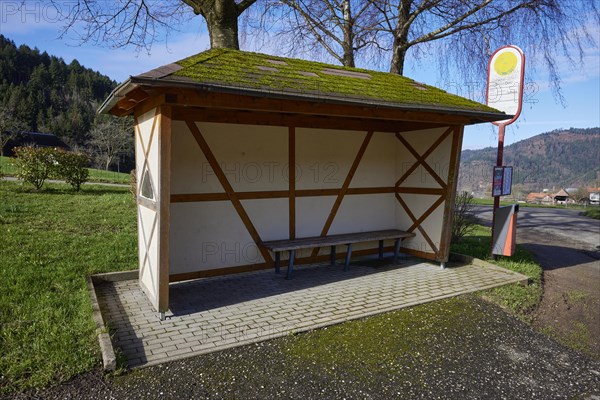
(37, 26)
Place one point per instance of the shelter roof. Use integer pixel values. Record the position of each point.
(246, 73)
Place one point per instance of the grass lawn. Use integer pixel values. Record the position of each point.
(490, 202)
(592, 212)
(519, 299)
(50, 242)
(96, 175)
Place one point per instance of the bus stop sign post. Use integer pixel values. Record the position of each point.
(506, 73)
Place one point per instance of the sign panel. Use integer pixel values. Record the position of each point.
(502, 181)
(506, 72)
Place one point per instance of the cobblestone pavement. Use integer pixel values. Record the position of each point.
(213, 314)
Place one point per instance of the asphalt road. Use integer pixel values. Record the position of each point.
(567, 246)
(533, 223)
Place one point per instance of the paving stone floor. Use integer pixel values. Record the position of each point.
(217, 313)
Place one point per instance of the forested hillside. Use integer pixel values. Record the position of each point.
(47, 95)
(561, 158)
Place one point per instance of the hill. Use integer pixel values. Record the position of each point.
(560, 158)
(45, 94)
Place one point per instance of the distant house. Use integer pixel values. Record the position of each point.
(594, 195)
(34, 139)
(539, 198)
(561, 197)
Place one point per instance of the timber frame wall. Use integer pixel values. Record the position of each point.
(422, 190)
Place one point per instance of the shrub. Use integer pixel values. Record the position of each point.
(133, 184)
(35, 164)
(72, 167)
(464, 221)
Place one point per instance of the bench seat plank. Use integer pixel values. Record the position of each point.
(333, 240)
(291, 245)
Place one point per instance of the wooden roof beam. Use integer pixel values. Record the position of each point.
(207, 99)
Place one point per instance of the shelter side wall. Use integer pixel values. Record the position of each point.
(214, 234)
(147, 174)
(424, 171)
(231, 187)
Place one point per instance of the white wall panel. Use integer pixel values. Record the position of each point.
(363, 213)
(325, 156)
(209, 235)
(377, 165)
(253, 158)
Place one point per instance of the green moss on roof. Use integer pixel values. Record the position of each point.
(234, 68)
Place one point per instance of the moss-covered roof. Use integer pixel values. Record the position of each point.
(240, 72)
(261, 72)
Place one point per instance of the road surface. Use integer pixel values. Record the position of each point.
(567, 246)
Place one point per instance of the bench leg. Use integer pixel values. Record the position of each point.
(348, 256)
(277, 261)
(291, 264)
(332, 255)
(381, 249)
(397, 250)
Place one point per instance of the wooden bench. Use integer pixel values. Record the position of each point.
(291, 245)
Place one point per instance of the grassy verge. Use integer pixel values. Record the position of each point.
(519, 299)
(490, 202)
(592, 212)
(96, 175)
(51, 241)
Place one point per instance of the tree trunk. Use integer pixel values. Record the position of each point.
(222, 20)
(398, 58)
(400, 44)
(348, 46)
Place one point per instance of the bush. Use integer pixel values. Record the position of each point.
(72, 167)
(464, 221)
(35, 164)
(133, 184)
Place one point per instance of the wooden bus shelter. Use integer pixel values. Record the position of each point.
(234, 149)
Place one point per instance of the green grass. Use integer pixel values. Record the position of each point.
(50, 242)
(6, 167)
(519, 299)
(490, 202)
(96, 175)
(592, 212)
(53, 239)
(398, 344)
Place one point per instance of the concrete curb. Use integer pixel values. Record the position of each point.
(525, 280)
(109, 359)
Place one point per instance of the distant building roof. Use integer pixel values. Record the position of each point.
(562, 193)
(539, 197)
(245, 73)
(34, 138)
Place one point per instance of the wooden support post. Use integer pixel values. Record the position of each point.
(291, 264)
(397, 249)
(277, 261)
(348, 256)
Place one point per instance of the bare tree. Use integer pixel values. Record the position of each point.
(580, 195)
(10, 127)
(341, 27)
(464, 221)
(111, 137)
(461, 33)
(464, 33)
(141, 22)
